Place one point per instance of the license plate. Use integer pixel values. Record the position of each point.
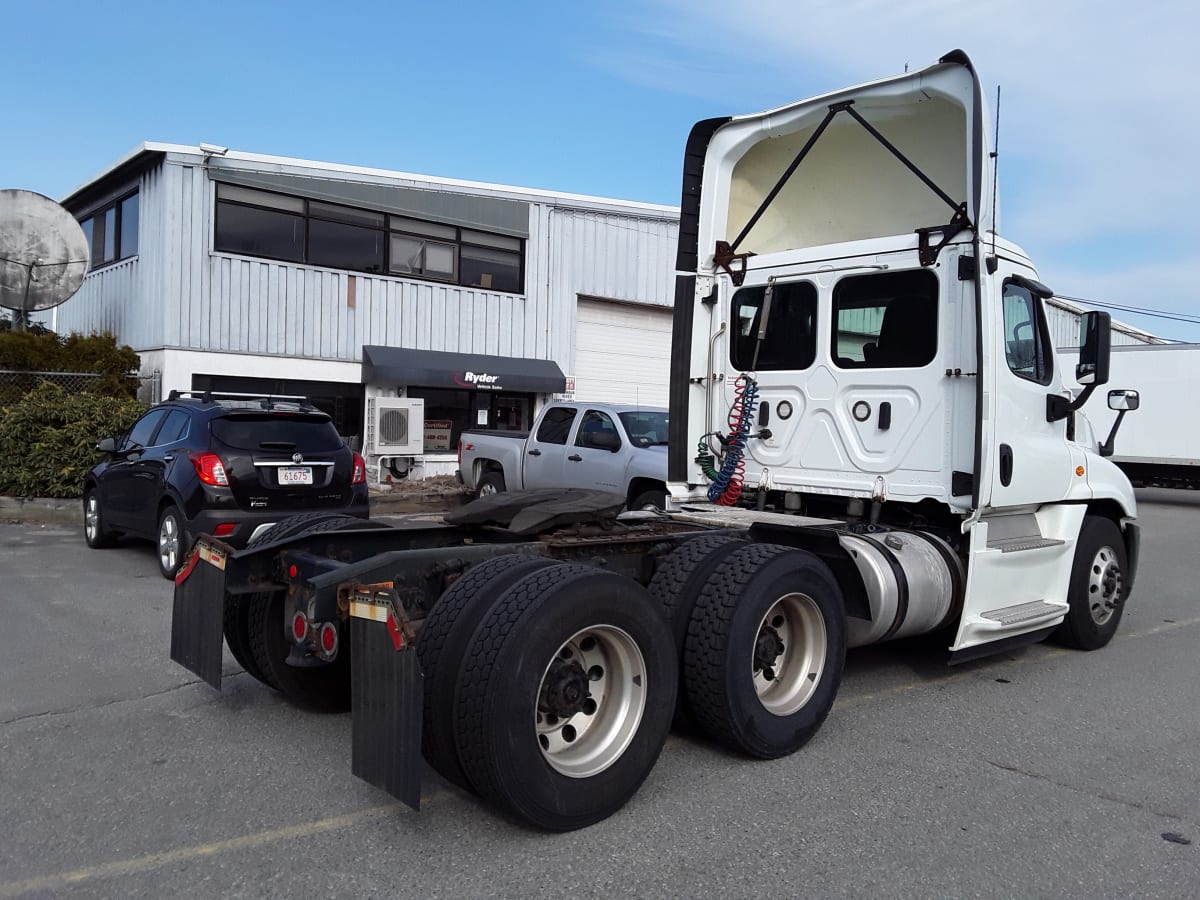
(295, 475)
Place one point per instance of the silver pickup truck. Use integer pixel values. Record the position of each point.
(602, 446)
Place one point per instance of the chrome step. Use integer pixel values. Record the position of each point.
(1015, 544)
(1024, 612)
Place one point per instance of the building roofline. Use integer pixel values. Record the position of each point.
(148, 152)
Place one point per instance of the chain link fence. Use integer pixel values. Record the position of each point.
(16, 384)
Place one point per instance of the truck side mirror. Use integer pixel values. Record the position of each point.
(1124, 401)
(606, 440)
(1095, 332)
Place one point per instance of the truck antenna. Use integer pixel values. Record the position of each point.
(995, 173)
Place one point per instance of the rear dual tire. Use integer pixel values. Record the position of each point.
(562, 694)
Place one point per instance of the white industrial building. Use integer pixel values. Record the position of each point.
(241, 272)
(369, 290)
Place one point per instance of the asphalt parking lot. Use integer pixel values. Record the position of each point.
(1039, 773)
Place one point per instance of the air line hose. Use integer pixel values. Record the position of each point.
(726, 484)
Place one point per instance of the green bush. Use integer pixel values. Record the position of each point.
(45, 351)
(48, 439)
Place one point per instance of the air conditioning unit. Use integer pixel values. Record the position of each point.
(397, 426)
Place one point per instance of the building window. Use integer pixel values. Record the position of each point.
(112, 231)
(292, 229)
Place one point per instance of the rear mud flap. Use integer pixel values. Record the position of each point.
(387, 691)
(197, 620)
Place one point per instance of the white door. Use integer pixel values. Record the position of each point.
(851, 374)
(1032, 461)
(622, 353)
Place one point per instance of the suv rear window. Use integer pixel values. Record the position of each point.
(308, 434)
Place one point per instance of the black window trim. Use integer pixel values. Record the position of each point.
(98, 234)
(387, 230)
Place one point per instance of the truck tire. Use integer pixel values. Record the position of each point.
(444, 638)
(1096, 596)
(565, 696)
(95, 531)
(259, 642)
(677, 583)
(765, 649)
(653, 499)
(489, 483)
(321, 688)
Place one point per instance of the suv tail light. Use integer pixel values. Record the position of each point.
(360, 470)
(210, 468)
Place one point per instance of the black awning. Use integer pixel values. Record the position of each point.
(472, 371)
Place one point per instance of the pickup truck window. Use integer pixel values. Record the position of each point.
(790, 341)
(556, 425)
(597, 430)
(645, 428)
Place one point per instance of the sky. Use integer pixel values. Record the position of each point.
(1098, 126)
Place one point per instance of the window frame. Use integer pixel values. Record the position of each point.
(388, 225)
(97, 228)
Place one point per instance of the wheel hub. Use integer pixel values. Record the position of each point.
(564, 689)
(768, 647)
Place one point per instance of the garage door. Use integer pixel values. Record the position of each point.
(622, 353)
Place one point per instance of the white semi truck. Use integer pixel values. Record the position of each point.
(868, 441)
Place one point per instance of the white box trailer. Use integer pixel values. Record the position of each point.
(1159, 444)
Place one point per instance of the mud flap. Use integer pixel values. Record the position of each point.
(387, 692)
(197, 619)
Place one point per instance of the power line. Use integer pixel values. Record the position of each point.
(1140, 310)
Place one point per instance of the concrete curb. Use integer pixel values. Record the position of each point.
(41, 511)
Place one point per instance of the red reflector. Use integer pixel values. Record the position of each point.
(360, 470)
(299, 627)
(292, 570)
(329, 637)
(224, 529)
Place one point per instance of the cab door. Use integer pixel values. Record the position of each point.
(1032, 461)
(596, 461)
(546, 449)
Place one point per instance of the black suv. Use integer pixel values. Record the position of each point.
(228, 465)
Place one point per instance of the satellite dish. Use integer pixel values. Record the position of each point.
(43, 253)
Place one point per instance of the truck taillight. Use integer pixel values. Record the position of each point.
(360, 470)
(210, 468)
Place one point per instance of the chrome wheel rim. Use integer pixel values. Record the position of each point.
(1104, 585)
(168, 543)
(488, 490)
(789, 654)
(91, 518)
(590, 701)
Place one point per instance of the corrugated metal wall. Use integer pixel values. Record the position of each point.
(1064, 329)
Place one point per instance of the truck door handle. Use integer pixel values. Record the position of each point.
(535, 452)
(1006, 464)
(575, 457)
(885, 416)
(170, 457)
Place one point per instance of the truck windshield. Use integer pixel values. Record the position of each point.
(645, 428)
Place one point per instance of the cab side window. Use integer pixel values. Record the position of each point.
(1026, 341)
(556, 425)
(143, 429)
(597, 430)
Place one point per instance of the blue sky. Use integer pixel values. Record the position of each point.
(1098, 136)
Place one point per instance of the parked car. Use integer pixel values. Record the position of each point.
(603, 446)
(229, 465)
